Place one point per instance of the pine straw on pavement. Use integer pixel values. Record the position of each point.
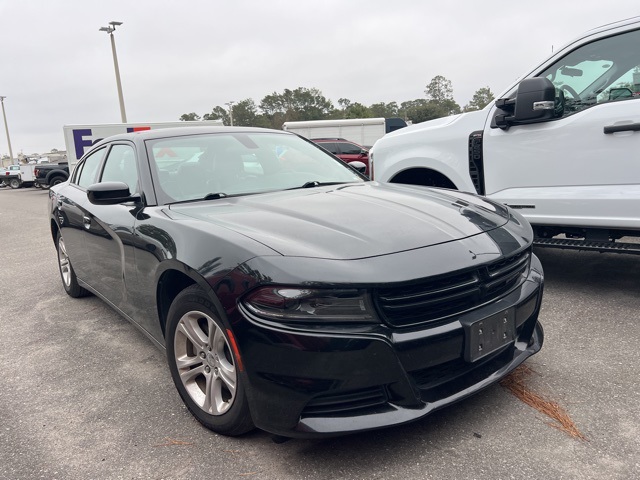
(516, 383)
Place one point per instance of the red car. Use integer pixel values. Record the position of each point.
(345, 150)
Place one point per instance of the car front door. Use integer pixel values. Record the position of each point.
(109, 237)
(576, 165)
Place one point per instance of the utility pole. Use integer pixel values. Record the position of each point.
(110, 30)
(230, 112)
(6, 127)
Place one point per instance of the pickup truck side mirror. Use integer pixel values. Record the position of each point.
(535, 101)
(110, 193)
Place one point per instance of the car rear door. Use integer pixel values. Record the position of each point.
(72, 214)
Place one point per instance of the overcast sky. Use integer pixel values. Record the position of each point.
(56, 67)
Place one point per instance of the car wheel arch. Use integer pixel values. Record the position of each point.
(54, 230)
(172, 280)
(423, 176)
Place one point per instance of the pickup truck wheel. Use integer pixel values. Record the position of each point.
(15, 183)
(204, 366)
(69, 280)
(56, 181)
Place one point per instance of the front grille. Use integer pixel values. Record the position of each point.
(441, 297)
(345, 403)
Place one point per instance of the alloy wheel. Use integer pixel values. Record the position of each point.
(65, 265)
(205, 363)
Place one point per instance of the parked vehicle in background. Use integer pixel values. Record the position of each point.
(49, 174)
(560, 146)
(345, 150)
(363, 131)
(80, 138)
(16, 176)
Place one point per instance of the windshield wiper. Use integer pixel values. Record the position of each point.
(214, 196)
(208, 196)
(315, 183)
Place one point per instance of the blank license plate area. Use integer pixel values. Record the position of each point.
(485, 336)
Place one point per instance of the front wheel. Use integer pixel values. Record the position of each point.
(15, 183)
(204, 367)
(68, 276)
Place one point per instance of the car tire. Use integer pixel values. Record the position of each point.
(15, 183)
(55, 181)
(204, 367)
(67, 274)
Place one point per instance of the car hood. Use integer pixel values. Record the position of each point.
(350, 221)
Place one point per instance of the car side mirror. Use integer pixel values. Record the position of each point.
(360, 167)
(534, 102)
(110, 193)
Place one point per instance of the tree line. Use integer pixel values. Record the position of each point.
(310, 104)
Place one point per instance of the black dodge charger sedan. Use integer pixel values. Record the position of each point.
(289, 292)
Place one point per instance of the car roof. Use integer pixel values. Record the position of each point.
(186, 131)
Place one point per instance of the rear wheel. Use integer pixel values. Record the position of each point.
(68, 276)
(204, 367)
(55, 181)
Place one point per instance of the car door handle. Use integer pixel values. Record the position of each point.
(87, 222)
(627, 127)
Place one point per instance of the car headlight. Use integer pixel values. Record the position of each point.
(310, 305)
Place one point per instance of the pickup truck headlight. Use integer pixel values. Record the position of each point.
(280, 303)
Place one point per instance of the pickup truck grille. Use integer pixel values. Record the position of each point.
(439, 298)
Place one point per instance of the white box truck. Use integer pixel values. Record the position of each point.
(561, 145)
(363, 131)
(80, 138)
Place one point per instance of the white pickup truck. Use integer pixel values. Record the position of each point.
(561, 145)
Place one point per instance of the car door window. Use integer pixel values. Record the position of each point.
(89, 171)
(602, 71)
(349, 148)
(120, 166)
(330, 146)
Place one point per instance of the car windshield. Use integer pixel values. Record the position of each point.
(211, 166)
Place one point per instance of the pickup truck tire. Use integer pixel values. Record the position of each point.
(15, 183)
(68, 276)
(56, 180)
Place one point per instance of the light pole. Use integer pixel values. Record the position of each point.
(6, 128)
(230, 112)
(110, 30)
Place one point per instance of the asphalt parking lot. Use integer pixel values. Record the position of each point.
(84, 395)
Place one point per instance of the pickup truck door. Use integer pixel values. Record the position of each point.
(583, 167)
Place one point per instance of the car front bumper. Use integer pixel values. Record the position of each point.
(320, 383)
